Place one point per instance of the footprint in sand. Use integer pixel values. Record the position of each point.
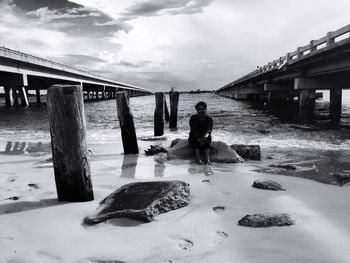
(11, 179)
(35, 186)
(99, 260)
(185, 244)
(221, 234)
(45, 255)
(219, 209)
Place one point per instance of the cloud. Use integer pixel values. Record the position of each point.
(161, 7)
(46, 15)
(140, 64)
(69, 17)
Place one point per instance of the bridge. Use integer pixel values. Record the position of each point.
(322, 64)
(21, 73)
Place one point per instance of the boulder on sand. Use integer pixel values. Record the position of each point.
(266, 220)
(142, 201)
(219, 152)
(251, 152)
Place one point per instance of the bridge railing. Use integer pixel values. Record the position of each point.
(314, 45)
(28, 58)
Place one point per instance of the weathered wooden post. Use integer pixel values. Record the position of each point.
(69, 151)
(166, 111)
(126, 123)
(158, 114)
(174, 103)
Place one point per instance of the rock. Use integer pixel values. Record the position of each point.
(283, 166)
(13, 198)
(251, 152)
(174, 142)
(263, 131)
(154, 149)
(266, 220)
(268, 185)
(219, 152)
(142, 201)
(342, 178)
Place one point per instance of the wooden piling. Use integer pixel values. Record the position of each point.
(166, 111)
(159, 114)
(174, 103)
(126, 123)
(69, 151)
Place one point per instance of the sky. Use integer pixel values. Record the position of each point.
(156, 44)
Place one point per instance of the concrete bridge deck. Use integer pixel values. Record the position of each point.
(323, 64)
(21, 72)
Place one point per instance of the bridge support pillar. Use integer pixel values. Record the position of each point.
(257, 100)
(88, 95)
(23, 96)
(335, 99)
(103, 95)
(306, 104)
(9, 96)
(38, 99)
(96, 95)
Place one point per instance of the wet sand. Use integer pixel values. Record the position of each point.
(37, 228)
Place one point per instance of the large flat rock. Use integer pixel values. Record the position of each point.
(219, 152)
(142, 201)
(266, 220)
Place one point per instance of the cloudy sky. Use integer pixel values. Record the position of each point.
(191, 44)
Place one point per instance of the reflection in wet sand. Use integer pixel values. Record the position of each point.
(200, 169)
(18, 148)
(129, 165)
(159, 168)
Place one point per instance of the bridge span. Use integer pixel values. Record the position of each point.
(322, 64)
(21, 73)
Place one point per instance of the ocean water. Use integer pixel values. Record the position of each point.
(234, 122)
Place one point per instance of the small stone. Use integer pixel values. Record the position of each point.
(13, 198)
(251, 152)
(205, 181)
(268, 185)
(263, 131)
(142, 201)
(342, 178)
(266, 220)
(283, 166)
(154, 149)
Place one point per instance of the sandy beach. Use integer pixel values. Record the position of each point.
(38, 228)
